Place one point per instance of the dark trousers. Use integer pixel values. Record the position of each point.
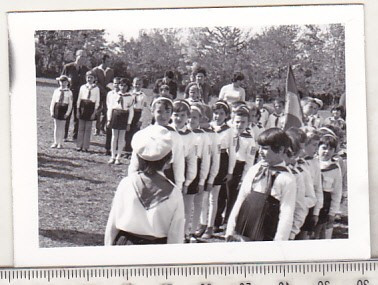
(75, 119)
(108, 140)
(133, 129)
(101, 116)
(233, 188)
(222, 201)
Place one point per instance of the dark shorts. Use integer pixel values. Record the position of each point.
(126, 238)
(223, 169)
(324, 212)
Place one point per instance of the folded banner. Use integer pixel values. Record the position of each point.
(293, 110)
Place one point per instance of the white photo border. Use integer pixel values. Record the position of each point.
(22, 27)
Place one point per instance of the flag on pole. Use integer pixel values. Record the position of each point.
(293, 110)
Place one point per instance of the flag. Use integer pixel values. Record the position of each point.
(293, 110)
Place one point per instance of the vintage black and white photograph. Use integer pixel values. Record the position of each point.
(199, 134)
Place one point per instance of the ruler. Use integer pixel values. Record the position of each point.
(332, 273)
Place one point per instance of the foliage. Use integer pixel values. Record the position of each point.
(316, 52)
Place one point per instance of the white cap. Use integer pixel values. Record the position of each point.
(152, 143)
(319, 102)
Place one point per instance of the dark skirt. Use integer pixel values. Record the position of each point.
(193, 187)
(126, 238)
(60, 109)
(308, 224)
(119, 119)
(86, 109)
(223, 169)
(323, 214)
(258, 217)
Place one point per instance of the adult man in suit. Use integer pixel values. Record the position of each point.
(105, 75)
(75, 71)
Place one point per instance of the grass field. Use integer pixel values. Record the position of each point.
(76, 188)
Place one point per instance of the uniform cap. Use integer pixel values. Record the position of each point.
(63, 78)
(319, 102)
(152, 143)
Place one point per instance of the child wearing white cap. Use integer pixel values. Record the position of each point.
(147, 207)
(162, 110)
(311, 106)
(60, 108)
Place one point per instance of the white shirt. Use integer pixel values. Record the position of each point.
(272, 120)
(226, 141)
(247, 150)
(202, 151)
(127, 104)
(67, 99)
(231, 94)
(214, 151)
(283, 189)
(128, 214)
(95, 94)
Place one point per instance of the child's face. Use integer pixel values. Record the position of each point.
(123, 87)
(278, 107)
(289, 159)
(194, 92)
(162, 114)
(259, 102)
(336, 113)
(90, 79)
(254, 116)
(137, 84)
(311, 147)
(200, 78)
(165, 91)
(179, 119)
(219, 116)
(63, 84)
(116, 85)
(269, 156)
(310, 108)
(325, 152)
(240, 123)
(194, 119)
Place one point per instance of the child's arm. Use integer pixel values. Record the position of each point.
(205, 159)
(134, 163)
(110, 105)
(288, 189)
(250, 156)
(215, 157)
(79, 97)
(310, 197)
(231, 151)
(242, 95)
(131, 111)
(222, 93)
(300, 211)
(70, 103)
(53, 101)
(178, 162)
(191, 161)
(336, 192)
(96, 92)
(318, 187)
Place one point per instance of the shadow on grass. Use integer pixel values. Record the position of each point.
(59, 175)
(67, 160)
(74, 237)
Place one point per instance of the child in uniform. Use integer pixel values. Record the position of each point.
(245, 149)
(120, 115)
(227, 160)
(110, 98)
(311, 107)
(336, 119)
(139, 108)
(277, 118)
(194, 197)
(264, 113)
(162, 108)
(180, 116)
(265, 205)
(147, 207)
(87, 105)
(60, 108)
(256, 126)
(332, 186)
(213, 146)
(306, 198)
(312, 161)
(192, 93)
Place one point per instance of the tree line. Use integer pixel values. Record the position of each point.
(317, 54)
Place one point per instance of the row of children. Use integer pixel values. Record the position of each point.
(287, 193)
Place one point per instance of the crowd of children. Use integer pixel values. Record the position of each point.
(197, 169)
